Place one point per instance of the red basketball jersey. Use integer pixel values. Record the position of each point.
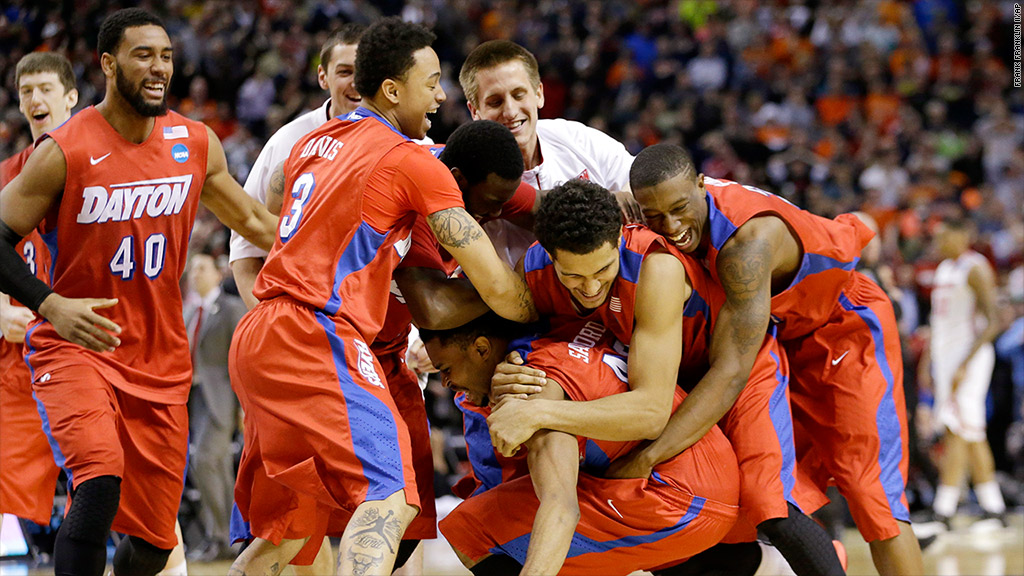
(553, 299)
(352, 191)
(121, 230)
(831, 250)
(33, 251)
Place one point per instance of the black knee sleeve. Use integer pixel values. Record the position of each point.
(81, 546)
(741, 559)
(497, 565)
(803, 543)
(136, 557)
(405, 550)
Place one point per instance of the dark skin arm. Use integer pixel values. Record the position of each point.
(745, 266)
(437, 302)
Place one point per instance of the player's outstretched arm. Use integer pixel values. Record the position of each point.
(640, 413)
(501, 288)
(437, 302)
(23, 203)
(229, 202)
(553, 459)
(745, 267)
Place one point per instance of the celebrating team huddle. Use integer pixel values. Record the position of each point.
(663, 364)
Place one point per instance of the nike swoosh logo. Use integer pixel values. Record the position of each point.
(614, 508)
(838, 360)
(95, 161)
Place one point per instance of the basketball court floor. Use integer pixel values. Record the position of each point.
(970, 549)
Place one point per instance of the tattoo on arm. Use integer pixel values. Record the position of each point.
(454, 227)
(275, 190)
(745, 273)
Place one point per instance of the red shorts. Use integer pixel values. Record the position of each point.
(687, 506)
(96, 429)
(319, 422)
(849, 411)
(760, 428)
(405, 389)
(28, 474)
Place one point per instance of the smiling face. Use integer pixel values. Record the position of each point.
(588, 277)
(465, 369)
(44, 102)
(506, 95)
(419, 93)
(676, 208)
(485, 199)
(142, 69)
(339, 78)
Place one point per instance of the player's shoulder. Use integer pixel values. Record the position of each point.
(536, 258)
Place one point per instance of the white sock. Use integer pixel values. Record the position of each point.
(179, 570)
(990, 498)
(947, 498)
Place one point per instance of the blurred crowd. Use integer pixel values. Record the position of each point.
(901, 109)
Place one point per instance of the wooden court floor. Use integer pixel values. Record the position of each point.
(965, 551)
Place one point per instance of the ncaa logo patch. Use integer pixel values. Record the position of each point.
(180, 153)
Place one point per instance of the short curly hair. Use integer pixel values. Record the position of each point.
(482, 147)
(578, 216)
(113, 27)
(489, 325)
(386, 51)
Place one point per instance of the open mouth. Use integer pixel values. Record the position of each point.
(155, 90)
(513, 126)
(40, 116)
(682, 241)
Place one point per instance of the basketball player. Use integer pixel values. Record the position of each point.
(962, 358)
(586, 265)
(119, 186)
(778, 262)
(324, 423)
(564, 515)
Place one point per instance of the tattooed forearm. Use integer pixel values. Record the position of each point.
(454, 227)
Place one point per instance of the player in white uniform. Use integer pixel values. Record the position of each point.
(501, 81)
(963, 325)
(335, 73)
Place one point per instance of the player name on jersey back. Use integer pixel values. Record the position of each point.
(132, 200)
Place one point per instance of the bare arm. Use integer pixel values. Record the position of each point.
(13, 320)
(501, 288)
(275, 190)
(653, 364)
(245, 271)
(982, 281)
(553, 459)
(23, 203)
(437, 302)
(745, 267)
(229, 202)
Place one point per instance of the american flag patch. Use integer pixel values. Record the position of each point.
(175, 132)
(615, 304)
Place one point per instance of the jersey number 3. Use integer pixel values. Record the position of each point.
(301, 191)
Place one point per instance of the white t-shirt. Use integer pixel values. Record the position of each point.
(572, 150)
(954, 320)
(277, 150)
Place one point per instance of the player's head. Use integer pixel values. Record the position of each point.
(399, 73)
(203, 273)
(337, 70)
(137, 59)
(46, 90)
(467, 356)
(954, 236)
(485, 160)
(579, 225)
(671, 193)
(502, 83)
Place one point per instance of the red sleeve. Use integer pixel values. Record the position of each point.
(427, 183)
(425, 251)
(521, 202)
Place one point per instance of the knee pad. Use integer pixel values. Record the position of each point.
(93, 507)
(136, 557)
